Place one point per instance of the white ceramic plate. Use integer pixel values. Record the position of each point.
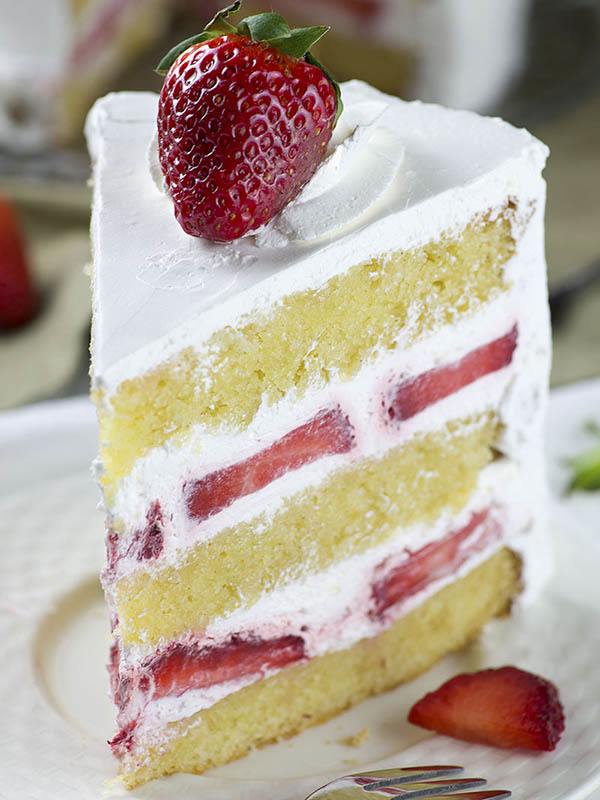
(55, 716)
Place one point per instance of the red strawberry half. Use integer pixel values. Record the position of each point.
(505, 707)
(17, 297)
(244, 118)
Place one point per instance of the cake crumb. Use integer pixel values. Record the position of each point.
(357, 739)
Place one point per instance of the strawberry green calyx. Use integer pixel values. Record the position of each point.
(268, 27)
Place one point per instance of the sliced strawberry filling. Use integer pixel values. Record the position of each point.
(183, 667)
(415, 395)
(186, 666)
(328, 433)
(433, 562)
(145, 543)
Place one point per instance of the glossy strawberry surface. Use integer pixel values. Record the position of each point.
(183, 667)
(241, 128)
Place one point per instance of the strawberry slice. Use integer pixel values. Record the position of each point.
(149, 542)
(17, 296)
(415, 395)
(434, 561)
(505, 707)
(123, 742)
(186, 666)
(329, 433)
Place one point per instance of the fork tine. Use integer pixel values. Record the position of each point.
(409, 783)
(395, 777)
(487, 794)
(422, 789)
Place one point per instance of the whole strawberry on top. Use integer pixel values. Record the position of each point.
(244, 119)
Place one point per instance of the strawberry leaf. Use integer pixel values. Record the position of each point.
(218, 24)
(165, 64)
(586, 471)
(297, 42)
(216, 27)
(274, 30)
(264, 27)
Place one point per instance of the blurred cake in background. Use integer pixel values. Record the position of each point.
(458, 53)
(56, 56)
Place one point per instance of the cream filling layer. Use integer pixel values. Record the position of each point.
(342, 619)
(292, 606)
(161, 474)
(159, 713)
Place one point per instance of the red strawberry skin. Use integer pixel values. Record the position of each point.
(414, 395)
(17, 297)
(328, 433)
(241, 128)
(506, 707)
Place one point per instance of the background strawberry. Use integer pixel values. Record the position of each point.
(245, 115)
(17, 297)
(505, 707)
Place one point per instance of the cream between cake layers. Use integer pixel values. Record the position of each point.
(321, 446)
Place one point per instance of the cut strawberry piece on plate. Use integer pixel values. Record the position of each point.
(504, 707)
(434, 561)
(187, 666)
(328, 433)
(17, 296)
(415, 395)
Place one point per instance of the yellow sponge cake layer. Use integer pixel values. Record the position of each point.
(305, 695)
(307, 337)
(357, 508)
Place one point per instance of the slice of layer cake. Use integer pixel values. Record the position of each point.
(320, 447)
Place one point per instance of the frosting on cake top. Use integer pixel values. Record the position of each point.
(153, 283)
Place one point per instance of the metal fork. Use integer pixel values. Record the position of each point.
(409, 783)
